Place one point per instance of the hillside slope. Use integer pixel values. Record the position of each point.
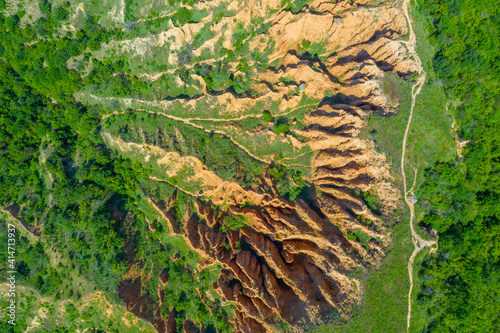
(240, 184)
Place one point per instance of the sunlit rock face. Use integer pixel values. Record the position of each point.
(287, 258)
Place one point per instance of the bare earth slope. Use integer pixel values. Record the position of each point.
(299, 107)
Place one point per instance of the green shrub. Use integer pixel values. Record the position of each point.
(294, 6)
(266, 116)
(61, 14)
(281, 125)
(233, 222)
(285, 79)
(281, 129)
(359, 236)
(241, 84)
(181, 17)
(306, 44)
(372, 200)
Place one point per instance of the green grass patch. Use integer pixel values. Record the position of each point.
(429, 139)
(384, 305)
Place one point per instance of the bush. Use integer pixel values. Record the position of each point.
(181, 17)
(281, 125)
(306, 44)
(295, 6)
(281, 129)
(45, 6)
(241, 84)
(266, 116)
(233, 222)
(361, 237)
(61, 14)
(372, 201)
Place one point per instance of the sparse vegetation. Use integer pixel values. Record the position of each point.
(385, 286)
(236, 165)
(392, 88)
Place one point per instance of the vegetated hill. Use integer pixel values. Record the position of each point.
(202, 158)
(461, 282)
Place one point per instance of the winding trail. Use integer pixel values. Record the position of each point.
(418, 242)
(187, 122)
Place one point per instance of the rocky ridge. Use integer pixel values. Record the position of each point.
(293, 260)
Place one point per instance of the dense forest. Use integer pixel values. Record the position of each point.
(55, 165)
(461, 282)
(38, 111)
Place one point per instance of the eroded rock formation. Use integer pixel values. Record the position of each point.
(293, 260)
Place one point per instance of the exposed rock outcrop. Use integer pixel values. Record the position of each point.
(292, 260)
